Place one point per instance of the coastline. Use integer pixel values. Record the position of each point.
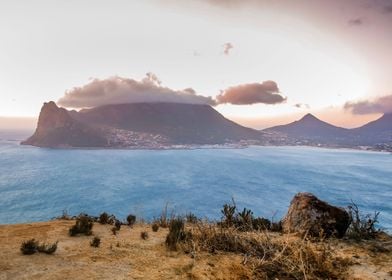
(208, 146)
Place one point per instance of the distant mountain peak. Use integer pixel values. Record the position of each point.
(311, 128)
(309, 117)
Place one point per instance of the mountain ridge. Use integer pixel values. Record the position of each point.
(164, 124)
(136, 124)
(310, 128)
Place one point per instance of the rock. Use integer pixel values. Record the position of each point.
(309, 215)
(56, 129)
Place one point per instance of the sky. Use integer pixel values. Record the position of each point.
(258, 62)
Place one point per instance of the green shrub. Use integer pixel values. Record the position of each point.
(244, 220)
(95, 242)
(176, 233)
(106, 219)
(191, 218)
(261, 223)
(155, 227)
(117, 224)
(29, 247)
(276, 226)
(228, 213)
(83, 225)
(131, 220)
(103, 218)
(32, 246)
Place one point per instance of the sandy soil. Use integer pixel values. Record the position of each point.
(127, 256)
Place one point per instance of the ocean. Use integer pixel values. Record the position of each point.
(37, 184)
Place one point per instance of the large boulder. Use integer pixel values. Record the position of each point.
(309, 215)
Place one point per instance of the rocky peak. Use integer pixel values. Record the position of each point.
(309, 117)
(52, 116)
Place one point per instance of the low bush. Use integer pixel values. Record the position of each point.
(95, 242)
(32, 246)
(117, 224)
(261, 224)
(47, 248)
(362, 226)
(64, 216)
(29, 247)
(131, 220)
(83, 225)
(144, 235)
(155, 227)
(244, 220)
(191, 218)
(176, 233)
(228, 213)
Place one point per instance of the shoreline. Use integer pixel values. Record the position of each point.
(203, 147)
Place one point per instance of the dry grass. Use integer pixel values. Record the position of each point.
(268, 255)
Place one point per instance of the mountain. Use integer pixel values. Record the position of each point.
(136, 124)
(56, 128)
(312, 129)
(376, 132)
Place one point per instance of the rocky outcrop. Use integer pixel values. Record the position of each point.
(56, 128)
(309, 215)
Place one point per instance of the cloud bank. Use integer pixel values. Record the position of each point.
(379, 105)
(117, 90)
(266, 92)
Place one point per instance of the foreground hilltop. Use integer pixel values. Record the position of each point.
(315, 240)
(137, 124)
(128, 256)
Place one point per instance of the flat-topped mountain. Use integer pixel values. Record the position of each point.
(136, 124)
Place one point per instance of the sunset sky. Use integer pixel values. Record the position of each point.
(260, 63)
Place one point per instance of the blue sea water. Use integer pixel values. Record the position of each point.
(38, 184)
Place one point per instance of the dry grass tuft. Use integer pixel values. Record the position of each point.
(269, 255)
(47, 248)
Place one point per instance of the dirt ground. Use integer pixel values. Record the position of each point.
(127, 256)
